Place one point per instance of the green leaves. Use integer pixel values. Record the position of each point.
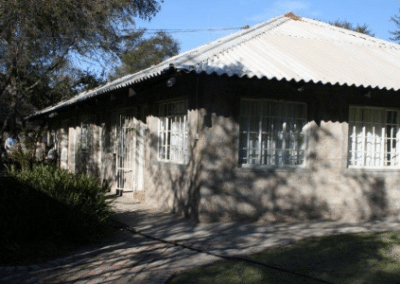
(349, 26)
(82, 197)
(396, 34)
(140, 54)
(39, 40)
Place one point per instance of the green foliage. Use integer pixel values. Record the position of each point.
(86, 80)
(396, 33)
(40, 41)
(349, 26)
(23, 153)
(49, 202)
(64, 84)
(21, 159)
(141, 54)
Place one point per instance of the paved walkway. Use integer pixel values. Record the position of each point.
(136, 254)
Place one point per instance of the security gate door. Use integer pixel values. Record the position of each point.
(64, 145)
(130, 153)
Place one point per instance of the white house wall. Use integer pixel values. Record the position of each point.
(213, 186)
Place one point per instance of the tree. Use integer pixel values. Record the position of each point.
(145, 53)
(66, 83)
(396, 34)
(347, 25)
(40, 38)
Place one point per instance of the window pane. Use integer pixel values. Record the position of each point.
(280, 133)
(266, 124)
(243, 141)
(266, 111)
(392, 117)
(356, 114)
(173, 132)
(254, 123)
(372, 137)
(301, 110)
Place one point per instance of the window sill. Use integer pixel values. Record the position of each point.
(169, 164)
(287, 168)
(373, 170)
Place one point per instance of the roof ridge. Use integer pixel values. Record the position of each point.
(373, 39)
(367, 43)
(225, 39)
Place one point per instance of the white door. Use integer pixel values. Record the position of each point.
(64, 146)
(130, 153)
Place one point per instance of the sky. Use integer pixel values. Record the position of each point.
(219, 14)
(195, 14)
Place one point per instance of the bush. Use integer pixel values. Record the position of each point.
(23, 153)
(48, 202)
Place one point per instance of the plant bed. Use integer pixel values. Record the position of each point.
(47, 212)
(43, 251)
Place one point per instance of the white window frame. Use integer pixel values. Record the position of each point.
(173, 132)
(374, 144)
(272, 146)
(52, 138)
(85, 133)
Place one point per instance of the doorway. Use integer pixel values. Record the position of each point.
(130, 152)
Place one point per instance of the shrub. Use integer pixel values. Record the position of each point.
(47, 201)
(28, 215)
(23, 153)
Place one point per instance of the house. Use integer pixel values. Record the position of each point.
(290, 119)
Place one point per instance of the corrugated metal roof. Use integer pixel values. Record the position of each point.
(283, 48)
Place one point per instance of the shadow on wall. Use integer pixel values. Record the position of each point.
(212, 187)
(86, 164)
(86, 159)
(372, 192)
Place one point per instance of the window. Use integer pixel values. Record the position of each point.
(271, 133)
(85, 136)
(173, 132)
(52, 138)
(373, 137)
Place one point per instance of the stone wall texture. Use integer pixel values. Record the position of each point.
(213, 186)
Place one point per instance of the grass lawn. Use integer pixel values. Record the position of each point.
(349, 258)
